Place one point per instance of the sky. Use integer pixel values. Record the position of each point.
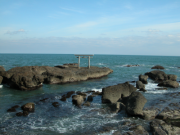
(124, 27)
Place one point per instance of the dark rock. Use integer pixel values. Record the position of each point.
(157, 75)
(143, 90)
(29, 107)
(172, 77)
(140, 85)
(19, 114)
(77, 100)
(44, 100)
(97, 93)
(25, 113)
(138, 130)
(68, 95)
(168, 114)
(135, 104)
(117, 107)
(87, 103)
(63, 98)
(161, 88)
(169, 83)
(132, 66)
(150, 114)
(114, 93)
(159, 127)
(55, 104)
(157, 67)
(117, 133)
(143, 79)
(174, 122)
(62, 66)
(16, 106)
(90, 98)
(2, 68)
(1, 79)
(32, 77)
(11, 110)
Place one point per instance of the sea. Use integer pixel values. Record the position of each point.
(67, 119)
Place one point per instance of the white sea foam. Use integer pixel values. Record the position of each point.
(100, 90)
(1, 86)
(151, 88)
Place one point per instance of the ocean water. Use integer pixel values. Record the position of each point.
(68, 119)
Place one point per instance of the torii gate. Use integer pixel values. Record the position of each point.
(83, 56)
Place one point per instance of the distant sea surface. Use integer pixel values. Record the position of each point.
(67, 119)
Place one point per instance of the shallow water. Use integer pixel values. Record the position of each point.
(67, 119)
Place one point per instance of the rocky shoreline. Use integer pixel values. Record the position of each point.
(124, 97)
(33, 77)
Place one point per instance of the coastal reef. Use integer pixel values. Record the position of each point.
(33, 77)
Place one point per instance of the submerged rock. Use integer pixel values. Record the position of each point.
(32, 77)
(132, 66)
(55, 104)
(169, 83)
(157, 67)
(138, 130)
(135, 104)
(112, 94)
(19, 114)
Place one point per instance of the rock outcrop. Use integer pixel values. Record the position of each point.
(140, 85)
(77, 100)
(160, 76)
(112, 94)
(157, 67)
(157, 75)
(2, 68)
(32, 77)
(29, 107)
(159, 127)
(135, 104)
(143, 79)
(169, 83)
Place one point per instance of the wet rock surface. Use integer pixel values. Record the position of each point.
(169, 83)
(143, 79)
(29, 107)
(32, 77)
(135, 104)
(2, 68)
(140, 85)
(158, 67)
(112, 94)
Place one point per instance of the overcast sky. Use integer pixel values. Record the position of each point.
(130, 27)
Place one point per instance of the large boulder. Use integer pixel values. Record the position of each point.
(157, 67)
(32, 77)
(143, 78)
(169, 83)
(112, 94)
(137, 130)
(77, 100)
(2, 68)
(29, 107)
(140, 85)
(157, 75)
(135, 104)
